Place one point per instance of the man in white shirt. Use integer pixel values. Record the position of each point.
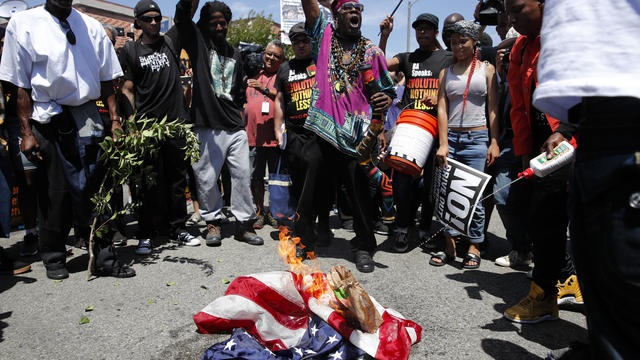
(62, 61)
(588, 75)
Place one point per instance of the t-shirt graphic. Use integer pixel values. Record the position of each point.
(222, 74)
(155, 61)
(295, 80)
(421, 70)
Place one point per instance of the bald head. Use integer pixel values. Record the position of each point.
(452, 19)
(446, 33)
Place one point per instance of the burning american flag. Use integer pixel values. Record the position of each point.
(288, 315)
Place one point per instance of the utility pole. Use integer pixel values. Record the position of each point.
(409, 5)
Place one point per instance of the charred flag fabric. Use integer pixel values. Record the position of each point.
(280, 317)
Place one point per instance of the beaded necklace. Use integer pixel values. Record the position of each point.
(345, 64)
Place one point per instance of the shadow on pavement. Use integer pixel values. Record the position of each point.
(504, 350)
(4, 325)
(340, 248)
(511, 288)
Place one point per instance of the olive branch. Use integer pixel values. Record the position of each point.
(124, 159)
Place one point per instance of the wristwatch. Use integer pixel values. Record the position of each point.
(117, 118)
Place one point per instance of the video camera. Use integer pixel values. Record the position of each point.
(489, 11)
(252, 56)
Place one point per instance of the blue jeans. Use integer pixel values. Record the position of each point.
(470, 148)
(507, 199)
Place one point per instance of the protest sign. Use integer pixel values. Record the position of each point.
(291, 13)
(456, 191)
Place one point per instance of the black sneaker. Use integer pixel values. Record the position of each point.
(380, 228)
(29, 245)
(10, 266)
(347, 225)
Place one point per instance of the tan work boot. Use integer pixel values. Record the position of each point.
(213, 237)
(536, 307)
(569, 291)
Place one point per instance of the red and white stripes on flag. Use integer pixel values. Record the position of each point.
(270, 306)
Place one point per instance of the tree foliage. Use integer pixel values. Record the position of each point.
(255, 28)
(126, 161)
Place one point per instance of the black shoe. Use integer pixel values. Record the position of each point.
(364, 261)
(29, 245)
(120, 271)
(400, 241)
(57, 274)
(10, 266)
(380, 228)
(324, 236)
(347, 225)
(245, 233)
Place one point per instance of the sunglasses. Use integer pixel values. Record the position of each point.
(351, 6)
(269, 53)
(148, 19)
(71, 37)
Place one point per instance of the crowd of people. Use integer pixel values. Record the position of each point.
(497, 107)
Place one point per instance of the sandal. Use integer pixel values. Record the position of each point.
(471, 257)
(443, 257)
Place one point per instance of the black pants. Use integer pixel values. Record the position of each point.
(547, 222)
(348, 171)
(60, 194)
(311, 183)
(605, 222)
(409, 193)
(168, 193)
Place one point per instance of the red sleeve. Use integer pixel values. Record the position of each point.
(520, 123)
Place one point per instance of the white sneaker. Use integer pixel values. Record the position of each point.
(194, 220)
(144, 247)
(514, 258)
(118, 239)
(187, 239)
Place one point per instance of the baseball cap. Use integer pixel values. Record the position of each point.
(296, 30)
(144, 6)
(426, 18)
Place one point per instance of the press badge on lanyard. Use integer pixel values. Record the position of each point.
(265, 107)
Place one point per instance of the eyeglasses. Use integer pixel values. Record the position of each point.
(269, 53)
(71, 37)
(351, 6)
(147, 19)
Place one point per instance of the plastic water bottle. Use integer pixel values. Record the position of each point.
(540, 166)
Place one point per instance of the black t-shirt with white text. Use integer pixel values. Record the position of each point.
(155, 73)
(421, 71)
(295, 80)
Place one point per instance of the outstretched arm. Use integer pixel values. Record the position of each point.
(311, 12)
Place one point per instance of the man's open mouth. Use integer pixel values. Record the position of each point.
(354, 21)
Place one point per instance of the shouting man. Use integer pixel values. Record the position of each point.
(339, 108)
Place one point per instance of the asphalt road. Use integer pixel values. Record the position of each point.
(143, 318)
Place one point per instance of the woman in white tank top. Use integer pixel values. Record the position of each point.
(464, 90)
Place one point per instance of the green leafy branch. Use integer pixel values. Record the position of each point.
(126, 158)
